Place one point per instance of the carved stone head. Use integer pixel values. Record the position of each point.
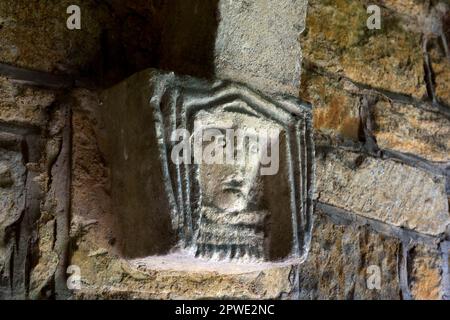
(210, 166)
(241, 186)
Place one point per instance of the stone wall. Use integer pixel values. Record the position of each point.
(382, 124)
(382, 127)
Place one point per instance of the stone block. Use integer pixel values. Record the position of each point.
(384, 190)
(344, 257)
(249, 47)
(414, 130)
(337, 39)
(425, 273)
(22, 104)
(34, 35)
(336, 111)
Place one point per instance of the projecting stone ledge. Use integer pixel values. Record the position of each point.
(383, 190)
(179, 276)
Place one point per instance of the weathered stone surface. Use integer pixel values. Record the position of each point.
(412, 8)
(33, 34)
(425, 273)
(90, 177)
(97, 243)
(338, 264)
(337, 268)
(6, 180)
(168, 198)
(12, 205)
(138, 194)
(336, 112)
(174, 277)
(180, 35)
(21, 104)
(107, 275)
(413, 130)
(12, 187)
(43, 273)
(383, 190)
(441, 69)
(249, 46)
(445, 249)
(337, 39)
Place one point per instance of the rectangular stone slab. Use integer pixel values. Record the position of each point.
(384, 190)
(257, 43)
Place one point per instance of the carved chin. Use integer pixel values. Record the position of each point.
(230, 201)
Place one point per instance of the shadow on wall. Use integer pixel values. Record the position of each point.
(184, 43)
(175, 35)
(188, 37)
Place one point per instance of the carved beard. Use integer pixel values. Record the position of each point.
(231, 235)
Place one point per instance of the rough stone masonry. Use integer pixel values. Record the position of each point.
(381, 128)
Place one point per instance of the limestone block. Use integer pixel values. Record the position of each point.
(34, 35)
(441, 69)
(337, 39)
(383, 190)
(336, 111)
(413, 130)
(342, 260)
(20, 104)
(257, 43)
(425, 277)
(179, 277)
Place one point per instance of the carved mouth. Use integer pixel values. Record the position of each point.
(233, 190)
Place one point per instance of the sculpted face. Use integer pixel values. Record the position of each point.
(237, 192)
(232, 154)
